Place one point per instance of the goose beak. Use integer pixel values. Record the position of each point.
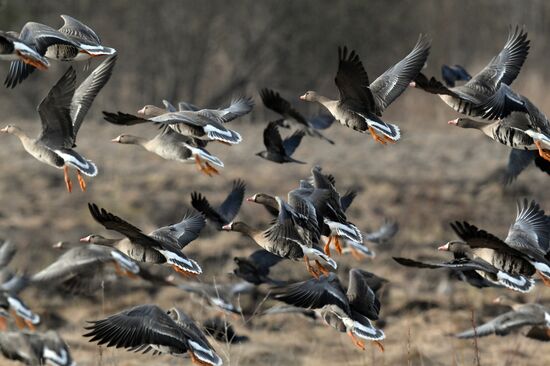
(412, 84)
(453, 122)
(444, 247)
(85, 239)
(227, 227)
(141, 112)
(4, 130)
(251, 199)
(58, 245)
(497, 300)
(117, 139)
(303, 97)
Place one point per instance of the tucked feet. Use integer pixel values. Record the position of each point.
(376, 137)
(81, 181)
(545, 154)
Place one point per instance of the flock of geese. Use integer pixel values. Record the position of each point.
(304, 227)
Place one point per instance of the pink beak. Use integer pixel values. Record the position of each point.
(116, 139)
(303, 97)
(453, 122)
(227, 227)
(412, 84)
(141, 112)
(444, 247)
(5, 129)
(85, 239)
(251, 199)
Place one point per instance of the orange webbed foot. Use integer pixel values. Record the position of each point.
(358, 343)
(322, 268)
(211, 169)
(379, 345)
(356, 254)
(376, 137)
(545, 154)
(81, 181)
(544, 279)
(68, 182)
(310, 269)
(327, 246)
(338, 245)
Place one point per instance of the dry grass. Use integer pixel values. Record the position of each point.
(428, 179)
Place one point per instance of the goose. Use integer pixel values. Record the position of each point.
(162, 245)
(77, 267)
(502, 69)
(62, 113)
(534, 315)
(171, 145)
(36, 348)
(222, 296)
(277, 149)
(284, 240)
(452, 74)
(47, 42)
(291, 117)
(361, 103)
(22, 314)
(12, 48)
(145, 328)
(519, 160)
(350, 311)
(205, 124)
(227, 210)
(86, 39)
(222, 331)
(255, 268)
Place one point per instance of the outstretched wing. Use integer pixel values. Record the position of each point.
(232, 204)
(182, 233)
(353, 82)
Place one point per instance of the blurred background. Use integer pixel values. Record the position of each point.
(206, 52)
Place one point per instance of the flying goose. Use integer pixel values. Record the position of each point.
(171, 145)
(81, 264)
(223, 296)
(255, 268)
(277, 149)
(205, 124)
(162, 245)
(349, 312)
(502, 69)
(22, 314)
(12, 48)
(62, 113)
(36, 348)
(283, 239)
(147, 328)
(221, 330)
(86, 39)
(227, 210)
(361, 103)
(291, 117)
(452, 74)
(521, 315)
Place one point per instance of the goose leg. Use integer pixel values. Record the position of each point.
(3, 324)
(379, 345)
(358, 343)
(68, 182)
(545, 154)
(211, 169)
(388, 139)
(81, 181)
(356, 254)
(327, 246)
(118, 270)
(338, 245)
(20, 322)
(376, 137)
(310, 269)
(545, 279)
(322, 268)
(30, 325)
(201, 168)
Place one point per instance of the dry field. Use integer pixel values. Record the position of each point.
(436, 174)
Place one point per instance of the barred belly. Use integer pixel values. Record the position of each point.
(512, 137)
(62, 52)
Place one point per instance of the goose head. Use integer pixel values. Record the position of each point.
(150, 111)
(455, 246)
(11, 129)
(310, 96)
(126, 139)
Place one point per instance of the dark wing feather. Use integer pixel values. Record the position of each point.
(347, 198)
(55, 113)
(272, 139)
(477, 238)
(232, 204)
(353, 82)
(263, 259)
(7, 252)
(322, 121)
(388, 86)
(112, 222)
(384, 233)
(180, 234)
(201, 204)
(461, 264)
(361, 297)
(123, 119)
(276, 103)
(75, 28)
(501, 325)
(517, 162)
(291, 143)
(530, 232)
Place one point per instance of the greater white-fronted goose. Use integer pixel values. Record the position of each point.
(162, 245)
(22, 314)
(524, 249)
(47, 42)
(452, 74)
(36, 348)
(222, 331)
(502, 69)
(521, 315)
(277, 149)
(293, 118)
(86, 39)
(12, 48)
(62, 113)
(148, 327)
(227, 210)
(283, 239)
(78, 267)
(171, 145)
(361, 103)
(222, 296)
(255, 268)
(205, 124)
(349, 312)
